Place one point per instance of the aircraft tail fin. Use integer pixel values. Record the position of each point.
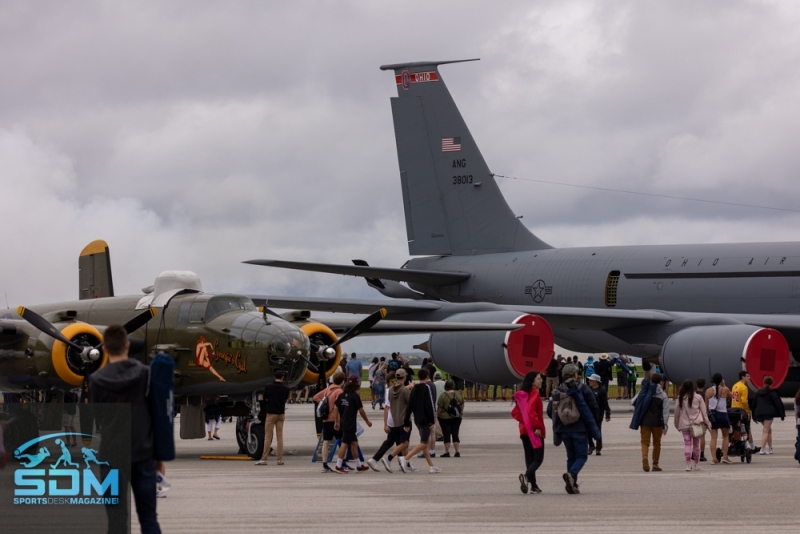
(94, 271)
(453, 205)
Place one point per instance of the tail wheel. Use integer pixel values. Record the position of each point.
(67, 362)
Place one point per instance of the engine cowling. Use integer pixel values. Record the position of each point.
(500, 358)
(67, 362)
(319, 334)
(701, 351)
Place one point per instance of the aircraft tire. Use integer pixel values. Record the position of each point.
(254, 447)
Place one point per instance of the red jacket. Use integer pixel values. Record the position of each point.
(534, 414)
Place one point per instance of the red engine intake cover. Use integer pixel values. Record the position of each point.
(766, 354)
(531, 347)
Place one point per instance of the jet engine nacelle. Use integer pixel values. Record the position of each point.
(500, 358)
(701, 351)
(67, 362)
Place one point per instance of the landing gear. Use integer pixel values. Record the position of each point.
(250, 432)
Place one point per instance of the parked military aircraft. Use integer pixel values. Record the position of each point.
(696, 309)
(222, 344)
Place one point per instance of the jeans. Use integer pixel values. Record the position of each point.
(143, 485)
(533, 458)
(647, 432)
(273, 422)
(577, 446)
(380, 392)
(597, 443)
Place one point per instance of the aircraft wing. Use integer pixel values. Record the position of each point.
(430, 278)
(393, 307)
(340, 326)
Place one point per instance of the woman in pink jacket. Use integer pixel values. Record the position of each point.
(528, 411)
(690, 410)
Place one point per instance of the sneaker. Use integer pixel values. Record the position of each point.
(597, 453)
(535, 489)
(373, 464)
(726, 461)
(261, 462)
(570, 483)
(434, 469)
(340, 470)
(696, 467)
(445, 455)
(347, 467)
(703, 458)
(161, 494)
(410, 468)
(591, 449)
(421, 455)
(326, 468)
(763, 452)
(457, 455)
(656, 469)
(576, 490)
(404, 466)
(688, 467)
(523, 483)
(770, 451)
(433, 454)
(362, 468)
(387, 464)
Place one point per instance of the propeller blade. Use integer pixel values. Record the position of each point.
(46, 326)
(140, 320)
(361, 327)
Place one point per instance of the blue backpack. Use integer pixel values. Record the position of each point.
(162, 406)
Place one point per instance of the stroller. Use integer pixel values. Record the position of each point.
(737, 442)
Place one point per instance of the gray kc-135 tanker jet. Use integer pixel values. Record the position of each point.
(695, 309)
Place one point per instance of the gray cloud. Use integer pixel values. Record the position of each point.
(196, 135)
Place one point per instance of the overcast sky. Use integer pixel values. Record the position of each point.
(196, 135)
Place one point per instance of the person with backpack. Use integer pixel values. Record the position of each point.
(572, 408)
(126, 380)
(528, 412)
(603, 408)
(768, 406)
(450, 408)
(651, 418)
(588, 368)
(327, 410)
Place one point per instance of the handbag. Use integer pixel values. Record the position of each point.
(697, 430)
(712, 416)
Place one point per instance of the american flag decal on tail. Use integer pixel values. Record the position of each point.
(451, 144)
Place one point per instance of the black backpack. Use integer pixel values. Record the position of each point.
(323, 408)
(454, 408)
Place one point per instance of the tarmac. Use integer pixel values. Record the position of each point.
(479, 492)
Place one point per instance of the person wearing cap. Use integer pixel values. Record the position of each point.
(350, 405)
(275, 397)
(574, 436)
(394, 415)
(601, 396)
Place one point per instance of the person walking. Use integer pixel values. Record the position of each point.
(690, 413)
(651, 417)
(350, 406)
(275, 396)
(397, 398)
(768, 406)
(126, 380)
(449, 409)
(717, 403)
(632, 378)
(740, 400)
(392, 434)
(601, 397)
(421, 406)
(354, 367)
(700, 388)
(379, 386)
(528, 412)
(329, 433)
(603, 368)
(576, 400)
(437, 429)
(373, 368)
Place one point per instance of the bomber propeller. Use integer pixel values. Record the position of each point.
(328, 352)
(88, 354)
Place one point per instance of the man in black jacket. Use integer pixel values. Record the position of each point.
(125, 380)
(601, 397)
(603, 367)
(421, 404)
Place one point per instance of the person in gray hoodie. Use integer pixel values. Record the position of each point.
(396, 406)
(654, 422)
(124, 380)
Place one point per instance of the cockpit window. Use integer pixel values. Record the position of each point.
(224, 304)
(196, 312)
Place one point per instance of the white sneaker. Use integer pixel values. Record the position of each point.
(688, 467)
(770, 451)
(160, 493)
(261, 462)
(387, 464)
(373, 464)
(404, 465)
(410, 468)
(762, 452)
(434, 469)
